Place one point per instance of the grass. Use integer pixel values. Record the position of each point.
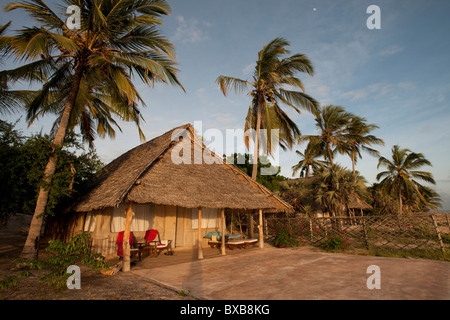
(183, 293)
(431, 254)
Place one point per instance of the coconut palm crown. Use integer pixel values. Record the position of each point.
(401, 177)
(309, 161)
(270, 88)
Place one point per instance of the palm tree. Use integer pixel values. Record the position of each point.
(431, 197)
(10, 100)
(357, 139)
(90, 68)
(401, 176)
(272, 74)
(332, 122)
(334, 187)
(308, 161)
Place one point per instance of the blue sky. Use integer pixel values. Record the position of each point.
(398, 77)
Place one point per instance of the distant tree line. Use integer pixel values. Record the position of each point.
(245, 163)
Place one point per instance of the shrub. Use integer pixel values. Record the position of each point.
(62, 255)
(284, 238)
(8, 282)
(336, 243)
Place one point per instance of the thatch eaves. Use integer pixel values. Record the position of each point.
(357, 203)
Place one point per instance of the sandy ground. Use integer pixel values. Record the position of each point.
(94, 285)
(305, 274)
(268, 274)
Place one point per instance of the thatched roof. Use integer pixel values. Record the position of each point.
(291, 182)
(357, 203)
(147, 174)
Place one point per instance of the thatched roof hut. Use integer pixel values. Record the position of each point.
(167, 194)
(147, 174)
(358, 203)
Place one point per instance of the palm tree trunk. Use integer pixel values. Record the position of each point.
(400, 203)
(256, 152)
(353, 162)
(30, 249)
(330, 156)
(255, 164)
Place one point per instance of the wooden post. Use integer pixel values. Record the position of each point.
(126, 239)
(224, 229)
(200, 240)
(250, 226)
(260, 227)
(441, 243)
(266, 228)
(366, 240)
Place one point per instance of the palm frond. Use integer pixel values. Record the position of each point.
(226, 83)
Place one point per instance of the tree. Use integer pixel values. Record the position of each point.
(10, 100)
(382, 202)
(271, 182)
(300, 195)
(332, 122)
(308, 161)
(357, 139)
(334, 187)
(401, 178)
(91, 68)
(22, 164)
(272, 74)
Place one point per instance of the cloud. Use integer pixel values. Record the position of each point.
(376, 90)
(391, 50)
(191, 31)
(248, 69)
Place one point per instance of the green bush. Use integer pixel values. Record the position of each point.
(284, 238)
(8, 282)
(336, 243)
(62, 255)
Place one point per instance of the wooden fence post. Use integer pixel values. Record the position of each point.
(438, 233)
(266, 228)
(366, 240)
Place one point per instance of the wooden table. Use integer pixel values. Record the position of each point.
(144, 246)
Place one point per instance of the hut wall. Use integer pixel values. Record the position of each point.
(187, 230)
(174, 223)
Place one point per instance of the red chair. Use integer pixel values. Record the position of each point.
(156, 245)
(119, 243)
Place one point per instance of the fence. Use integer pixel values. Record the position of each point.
(428, 231)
